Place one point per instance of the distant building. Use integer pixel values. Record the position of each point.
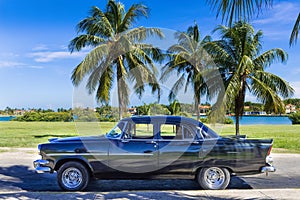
(19, 112)
(254, 113)
(204, 109)
(290, 108)
(246, 107)
(132, 111)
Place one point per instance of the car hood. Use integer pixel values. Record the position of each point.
(76, 139)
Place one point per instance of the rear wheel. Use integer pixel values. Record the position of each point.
(73, 176)
(213, 178)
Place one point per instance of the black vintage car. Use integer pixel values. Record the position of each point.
(154, 147)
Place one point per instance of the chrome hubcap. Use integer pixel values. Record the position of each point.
(214, 177)
(72, 177)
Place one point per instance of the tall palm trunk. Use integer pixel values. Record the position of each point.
(120, 98)
(239, 105)
(120, 83)
(197, 101)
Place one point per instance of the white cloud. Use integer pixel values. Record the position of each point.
(283, 13)
(11, 64)
(40, 47)
(48, 56)
(296, 86)
(278, 22)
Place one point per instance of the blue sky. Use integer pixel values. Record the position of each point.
(35, 65)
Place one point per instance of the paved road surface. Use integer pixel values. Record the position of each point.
(18, 180)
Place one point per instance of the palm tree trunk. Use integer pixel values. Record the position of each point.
(120, 86)
(197, 109)
(237, 124)
(120, 98)
(197, 101)
(239, 106)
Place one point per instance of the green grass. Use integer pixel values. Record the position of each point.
(30, 134)
(286, 137)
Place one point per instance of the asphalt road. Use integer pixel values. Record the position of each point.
(18, 180)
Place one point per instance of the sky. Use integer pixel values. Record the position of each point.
(36, 66)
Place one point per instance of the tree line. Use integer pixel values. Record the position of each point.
(120, 53)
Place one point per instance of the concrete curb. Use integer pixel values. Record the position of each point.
(288, 194)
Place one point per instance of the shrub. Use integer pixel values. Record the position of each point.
(295, 118)
(204, 120)
(228, 121)
(45, 117)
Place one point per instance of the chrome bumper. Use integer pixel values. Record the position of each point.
(39, 166)
(267, 169)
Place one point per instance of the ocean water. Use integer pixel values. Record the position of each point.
(245, 120)
(6, 118)
(250, 120)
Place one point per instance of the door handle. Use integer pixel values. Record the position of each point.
(151, 142)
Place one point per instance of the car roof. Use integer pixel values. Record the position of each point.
(167, 119)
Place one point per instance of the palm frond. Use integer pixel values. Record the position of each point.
(273, 82)
(96, 24)
(90, 62)
(295, 31)
(265, 93)
(104, 86)
(176, 87)
(83, 41)
(234, 10)
(133, 13)
(269, 57)
(141, 33)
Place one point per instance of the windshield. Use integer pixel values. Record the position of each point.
(116, 132)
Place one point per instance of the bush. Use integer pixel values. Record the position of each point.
(295, 118)
(45, 117)
(204, 120)
(227, 120)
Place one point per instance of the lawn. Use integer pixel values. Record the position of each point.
(29, 134)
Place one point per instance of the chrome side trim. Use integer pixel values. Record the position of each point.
(74, 154)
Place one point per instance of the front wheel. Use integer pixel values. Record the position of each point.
(213, 178)
(73, 176)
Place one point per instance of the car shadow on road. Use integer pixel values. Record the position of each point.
(20, 177)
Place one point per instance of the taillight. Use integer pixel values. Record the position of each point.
(269, 151)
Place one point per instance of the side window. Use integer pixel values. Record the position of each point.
(187, 134)
(170, 131)
(139, 131)
(177, 132)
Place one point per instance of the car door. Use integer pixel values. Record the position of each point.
(136, 151)
(178, 148)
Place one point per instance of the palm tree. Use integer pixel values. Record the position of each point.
(187, 58)
(242, 66)
(294, 34)
(236, 10)
(144, 109)
(117, 52)
(173, 107)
